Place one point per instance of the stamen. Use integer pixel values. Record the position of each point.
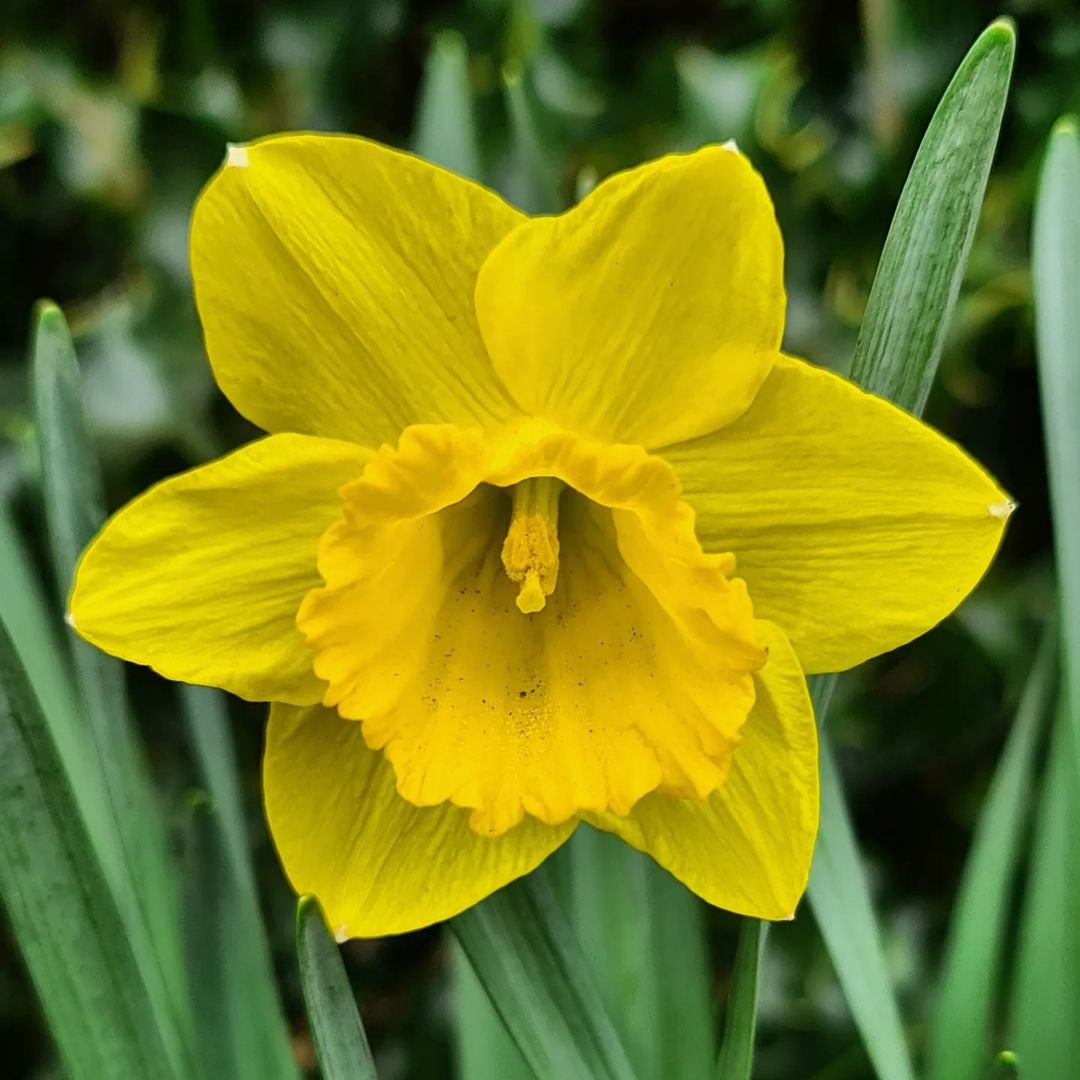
(530, 553)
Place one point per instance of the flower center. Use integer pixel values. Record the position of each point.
(634, 681)
(530, 553)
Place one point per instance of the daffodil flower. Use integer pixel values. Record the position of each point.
(546, 530)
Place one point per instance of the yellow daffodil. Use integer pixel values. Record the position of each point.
(547, 528)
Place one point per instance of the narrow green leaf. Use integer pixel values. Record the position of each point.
(523, 951)
(1056, 270)
(340, 1043)
(840, 897)
(1046, 992)
(740, 1023)
(61, 908)
(145, 890)
(484, 1049)
(534, 188)
(238, 1014)
(959, 1045)
(896, 356)
(922, 264)
(445, 131)
(34, 630)
(643, 938)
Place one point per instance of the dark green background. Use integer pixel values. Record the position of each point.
(113, 115)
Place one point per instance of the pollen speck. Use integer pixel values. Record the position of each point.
(69, 618)
(1002, 509)
(341, 934)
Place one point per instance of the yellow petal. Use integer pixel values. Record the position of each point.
(649, 313)
(856, 526)
(335, 280)
(378, 864)
(201, 577)
(632, 675)
(747, 847)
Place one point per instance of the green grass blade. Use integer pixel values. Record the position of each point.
(35, 634)
(1046, 993)
(959, 1045)
(642, 935)
(340, 1042)
(922, 264)
(484, 1049)
(524, 952)
(146, 890)
(238, 1014)
(445, 131)
(840, 897)
(535, 190)
(62, 911)
(686, 1015)
(896, 356)
(1056, 271)
(740, 1023)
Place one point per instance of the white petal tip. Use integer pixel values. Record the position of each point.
(1002, 509)
(70, 620)
(236, 156)
(732, 145)
(341, 934)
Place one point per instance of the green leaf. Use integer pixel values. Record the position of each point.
(643, 937)
(340, 1042)
(1046, 992)
(740, 1023)
(35, 634)
(523, 951)
(959, 1045)
(445, 131)
(840, 897)
(238, 1014)
(145, 889)
(922, 264)
(1056, 272)
(534, 187)
(64, 916)
(485, 1050)
(896, 356)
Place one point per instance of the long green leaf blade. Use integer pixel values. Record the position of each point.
(33, 627)
(74, 510)
(238, 1014)
(840, 897)
(445, 131)
(959, 1047)
(484, 1048)
(1046, 992)
(340, 1042)
(740, 1024)
(896, 356)
(922, 264)
(523, 951)
(1056, 270)
(643, 937)
(61, 908)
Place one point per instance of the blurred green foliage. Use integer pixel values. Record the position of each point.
(113, 115)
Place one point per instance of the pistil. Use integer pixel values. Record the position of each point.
(530, 553)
